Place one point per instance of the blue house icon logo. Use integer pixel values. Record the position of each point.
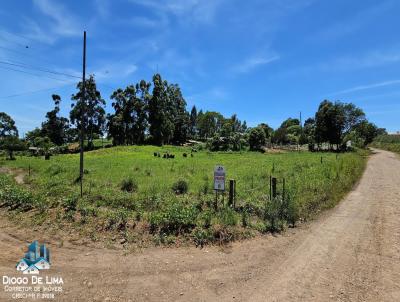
(36, 258)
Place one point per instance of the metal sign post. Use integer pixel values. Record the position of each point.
(219, 182)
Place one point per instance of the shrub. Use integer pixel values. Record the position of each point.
(274, 213)
(129, 185)
(180, 187)
(202, 236)
(69, 205)
(15, 198)
(117, 220)
(87, 211)
(257, 139)
(173, 218)
(227, 217)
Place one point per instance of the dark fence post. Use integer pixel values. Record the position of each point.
(232, 192)
(283, 188)
(29, 169)
(321, 159)
(273, 187)
(270, 187)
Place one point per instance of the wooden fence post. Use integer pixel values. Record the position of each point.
(232, 192)
(283, 189)
(270, 187)
(273, 187)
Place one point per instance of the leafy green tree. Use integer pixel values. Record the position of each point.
(12, 143)
(30, 136)
(267, 129)
(179, 114)
(159, 110)
(353, 116)
(44, 143)
(329, 123)
(93, 117)
(128, 124)
(366, 131)
(290, 122)
(55, 127)
(334, 121)
(288, 132)
(7, 126)
(308, 133)
(141, 108)
(257, 138)
(209, 124)
(193, 122)
(279, 136)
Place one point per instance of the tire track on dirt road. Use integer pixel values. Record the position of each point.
(350, 253)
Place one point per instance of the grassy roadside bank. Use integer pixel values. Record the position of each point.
(156, 214)
(387, 142)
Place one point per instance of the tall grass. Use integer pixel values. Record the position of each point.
(387, 142)
(172, 198)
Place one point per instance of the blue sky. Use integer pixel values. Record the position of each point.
(265, 60)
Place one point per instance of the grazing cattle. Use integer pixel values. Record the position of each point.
(165, 156)
(172, 156)
(155, 154)
(184, 155)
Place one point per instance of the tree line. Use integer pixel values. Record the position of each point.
(156, 113)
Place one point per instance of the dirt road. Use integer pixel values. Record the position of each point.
(350, 253)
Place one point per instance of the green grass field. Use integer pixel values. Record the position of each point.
(387, 142)
(153, 209)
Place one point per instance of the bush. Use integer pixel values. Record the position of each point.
(117, 220)
(174, 218)
(227, 217)
(275, 213)
(129, 185)
(15, 198)
(180, 187)
(257, 139)
(69, 205)
(202, 236)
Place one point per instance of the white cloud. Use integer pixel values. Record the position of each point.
(365, 87)
(199, 11)
(370, 59)
(114, 71)
(65, 24)
(253, 62)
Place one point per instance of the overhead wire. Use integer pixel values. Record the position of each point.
(35, 74)
(30, 92)
(27, 66)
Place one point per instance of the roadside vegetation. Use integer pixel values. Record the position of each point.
(145, 199)
(389, 142)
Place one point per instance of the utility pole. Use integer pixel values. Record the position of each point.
(83, 107)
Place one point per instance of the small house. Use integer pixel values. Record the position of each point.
(42, 264)
(22, 265)
(32, 270)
